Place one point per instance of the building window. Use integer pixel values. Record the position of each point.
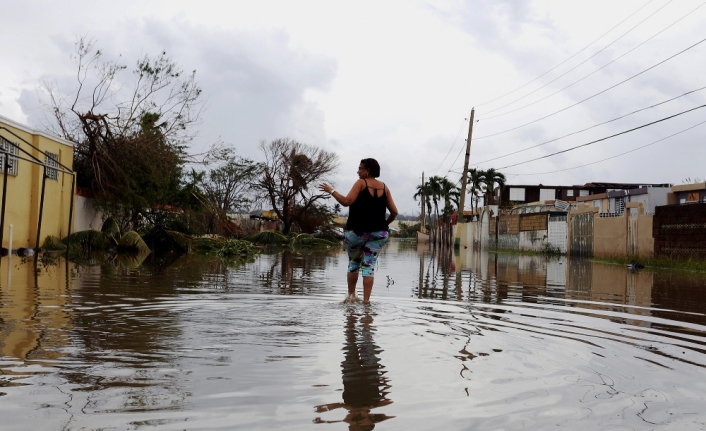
(570, 193)
(619, 205)
(517, 194)
(583, 192)
(547, 194)
(50, 159)
(682, 200)
(7, 148)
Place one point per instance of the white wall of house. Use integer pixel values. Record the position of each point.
(658, 197)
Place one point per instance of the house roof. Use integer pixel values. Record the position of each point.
(689, 187)
(32, 131)
(592, 185)
(625, 185)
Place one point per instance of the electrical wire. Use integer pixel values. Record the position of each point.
(575, 67)
(615, 156)
(590, 74)
(452, 164)
(591, 127)
(452, 146)
(605, 138)
(596, 94)
(577, 53)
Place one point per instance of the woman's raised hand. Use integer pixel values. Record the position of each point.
(325, 188)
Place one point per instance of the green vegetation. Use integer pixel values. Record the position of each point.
(236, 248)
(550, 250)
(294, 241)
(661, 262)
(546, 252)
(408, 230)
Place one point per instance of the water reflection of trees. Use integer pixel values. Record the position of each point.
(292, 273)
(365, 385)
(438, 275)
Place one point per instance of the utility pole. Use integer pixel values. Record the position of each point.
(465, 168)
(460, 221)
(422, 229)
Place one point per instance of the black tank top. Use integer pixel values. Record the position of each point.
(367, 213)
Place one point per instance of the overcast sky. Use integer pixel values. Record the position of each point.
(395, 80)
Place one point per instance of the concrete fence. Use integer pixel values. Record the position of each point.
(628, 234)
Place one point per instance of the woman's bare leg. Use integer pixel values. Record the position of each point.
(367, 288)
(352, 278)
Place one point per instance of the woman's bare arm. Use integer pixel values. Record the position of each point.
(391, 207)
(345, 200)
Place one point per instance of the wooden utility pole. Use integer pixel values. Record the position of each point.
(424, 220)
(465, 168)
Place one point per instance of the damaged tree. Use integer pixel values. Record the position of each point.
(289, 177)
(129, 139)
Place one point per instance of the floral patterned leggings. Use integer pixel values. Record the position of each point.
(363, 249)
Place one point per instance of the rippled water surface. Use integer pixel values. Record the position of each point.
(472, 341)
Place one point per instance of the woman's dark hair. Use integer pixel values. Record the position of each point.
(373, 166)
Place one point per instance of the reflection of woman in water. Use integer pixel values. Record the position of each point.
(367, 228)
(364, 383)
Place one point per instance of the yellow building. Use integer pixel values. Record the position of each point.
(32, 150)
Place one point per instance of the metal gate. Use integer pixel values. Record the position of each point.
(582, 235)
(556, 232)
(632, 235)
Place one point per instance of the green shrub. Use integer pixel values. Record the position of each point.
(236, 247)
(110, 227)
(132, 242)
(87, 240)
(268, 237)
(52, 243)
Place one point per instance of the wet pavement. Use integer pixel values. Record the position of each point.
(468, 341)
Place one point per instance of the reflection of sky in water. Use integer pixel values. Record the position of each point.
(469, 341)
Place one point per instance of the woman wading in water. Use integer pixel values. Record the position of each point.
(367, 229)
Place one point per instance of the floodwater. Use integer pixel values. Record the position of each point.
(473, 341)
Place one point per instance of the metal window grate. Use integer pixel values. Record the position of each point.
(51, 160)
(620, 205)
(610, 215)
(8, 148)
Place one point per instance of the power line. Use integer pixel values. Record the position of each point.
(606, 138)
(457, 156)
(596, 94)
(590, 74)
(591, 127)
(452, 146)
(574, 68)
(615, 156)
(577, 53)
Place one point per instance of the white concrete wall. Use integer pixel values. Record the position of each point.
(533, 240)
(85, 216)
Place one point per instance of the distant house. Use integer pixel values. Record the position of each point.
(614, 201)
(688, 193)
(598, 193)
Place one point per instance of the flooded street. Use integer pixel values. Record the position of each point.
(472, 341)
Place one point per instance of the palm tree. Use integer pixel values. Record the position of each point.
(423, 190)
(475, 181)
(449, 193)
(490, 178)
(436, 191)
